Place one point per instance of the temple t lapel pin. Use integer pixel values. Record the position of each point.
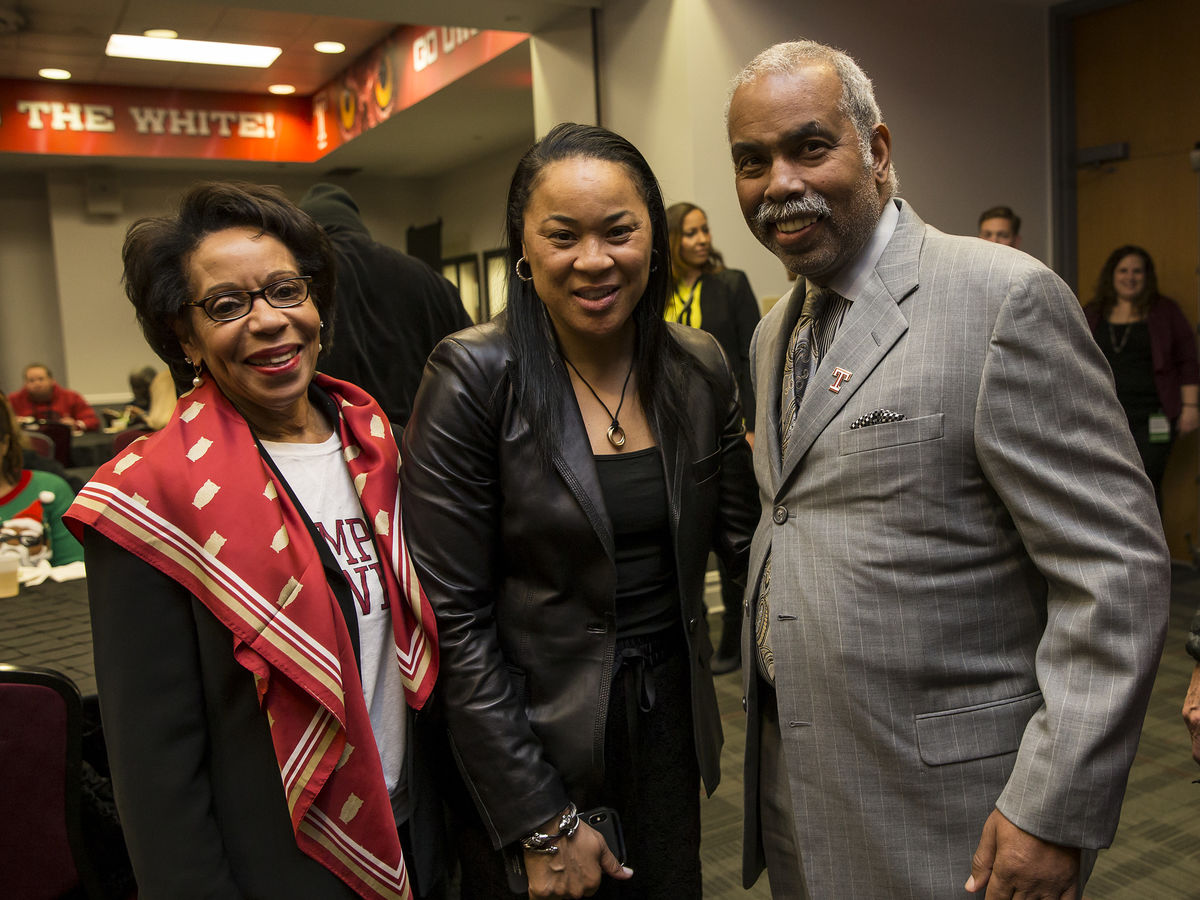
(840, 377)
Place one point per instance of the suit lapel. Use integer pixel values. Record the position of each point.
(871, 328)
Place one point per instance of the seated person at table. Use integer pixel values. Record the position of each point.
(139, 386)
(45, 400)
(31, 504)
(153, 400)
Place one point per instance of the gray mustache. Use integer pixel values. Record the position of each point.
(769, 212)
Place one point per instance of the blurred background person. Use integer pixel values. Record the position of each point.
(567, 469)
(139, 387)
(719, 300)
(1191, 702)
(1151, 348)
(43, 399)
(392, 308)
(32, 459)
(248, 598)
(153, 400)
(31, 504)
(1000, 225)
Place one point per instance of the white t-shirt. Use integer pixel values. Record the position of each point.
(318, 476)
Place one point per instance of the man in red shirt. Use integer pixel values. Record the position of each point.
(44, 399)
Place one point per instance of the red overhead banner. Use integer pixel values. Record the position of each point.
(412, 63)
(96, 120)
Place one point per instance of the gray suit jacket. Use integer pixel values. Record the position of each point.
(967, 605)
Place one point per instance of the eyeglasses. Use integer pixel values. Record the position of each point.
(231, 305)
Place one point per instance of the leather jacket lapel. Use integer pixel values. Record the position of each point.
(573, 460)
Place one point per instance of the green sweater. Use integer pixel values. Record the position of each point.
(28, 500)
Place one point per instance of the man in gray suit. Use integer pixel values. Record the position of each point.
(959, 582)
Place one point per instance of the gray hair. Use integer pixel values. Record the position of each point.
(858, 94)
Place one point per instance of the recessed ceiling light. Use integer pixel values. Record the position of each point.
(213, 53)
(282, 88)
(329, 47)
(55, 74)
(167, 33)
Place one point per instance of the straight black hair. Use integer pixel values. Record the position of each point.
(540, 377)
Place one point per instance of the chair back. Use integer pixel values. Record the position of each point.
(42, 853)
(40, 444)
(61, 435)
(123, 439)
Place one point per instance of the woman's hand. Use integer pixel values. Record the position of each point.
(1189, 419)
(575, 870)
(1191, 712)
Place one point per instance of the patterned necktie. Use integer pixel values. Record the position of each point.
(803, 356)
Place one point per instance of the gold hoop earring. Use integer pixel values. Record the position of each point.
(517, 269)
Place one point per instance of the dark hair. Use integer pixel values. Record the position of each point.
(539, 379)
(139, 385)
(1002, 212)
(676, 213)
(13, 460)
(1106, 294)
(157, 251)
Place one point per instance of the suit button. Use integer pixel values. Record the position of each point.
(743, 704)
(691, 625)
(781, 515)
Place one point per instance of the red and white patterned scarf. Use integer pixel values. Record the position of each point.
(197, 501)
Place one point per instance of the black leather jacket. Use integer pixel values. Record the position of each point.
(518, 564)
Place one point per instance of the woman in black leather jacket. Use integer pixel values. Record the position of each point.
(567, 468)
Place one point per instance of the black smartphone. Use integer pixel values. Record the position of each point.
(604, 819)
(608, 823)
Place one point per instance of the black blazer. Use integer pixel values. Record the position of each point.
(518, 564)
(729, 312)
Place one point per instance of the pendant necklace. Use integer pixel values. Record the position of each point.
(1112, 336)
(615, 434)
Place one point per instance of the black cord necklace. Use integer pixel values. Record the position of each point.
(615, 434)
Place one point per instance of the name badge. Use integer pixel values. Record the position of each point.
(1160, 429)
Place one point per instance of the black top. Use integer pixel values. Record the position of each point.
(1127, 349)
(635, 493)
(729, 312)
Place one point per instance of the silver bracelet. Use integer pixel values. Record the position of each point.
(568, 823)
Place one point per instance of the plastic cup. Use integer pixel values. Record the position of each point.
(8, 575)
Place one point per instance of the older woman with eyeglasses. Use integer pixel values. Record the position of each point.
(257, 627)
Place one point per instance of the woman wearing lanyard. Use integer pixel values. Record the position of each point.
(1151, 347)
(719, 300)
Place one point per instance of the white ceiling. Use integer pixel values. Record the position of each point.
(491, 108)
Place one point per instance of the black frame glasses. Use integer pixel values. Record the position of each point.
(277, 294)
